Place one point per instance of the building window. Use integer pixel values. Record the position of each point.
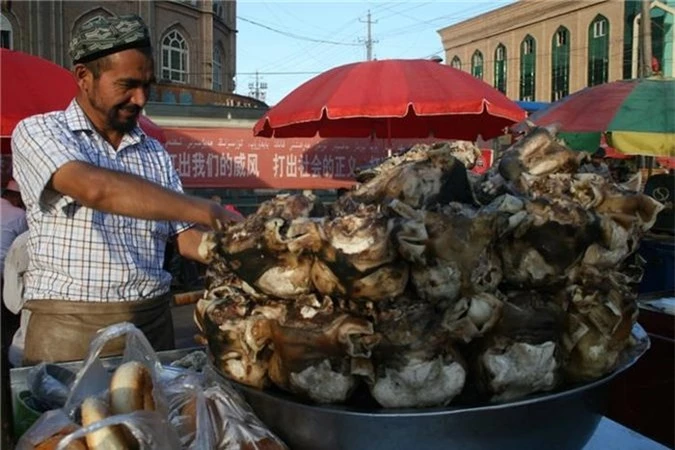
(562, 37)
(598, 51)
(500, 68)
(456, 63)
(560, 64)
(218, 9)
(217, 69)
(477, 65)
(528, 66)
(6, 33)
(600, 27)
(174, 57)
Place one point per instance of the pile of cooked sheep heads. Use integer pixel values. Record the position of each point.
(425, 281)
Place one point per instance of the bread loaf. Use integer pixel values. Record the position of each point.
(131, 389)
(53, 441)
(108, 438)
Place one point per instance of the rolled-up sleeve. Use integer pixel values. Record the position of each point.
(41, 145)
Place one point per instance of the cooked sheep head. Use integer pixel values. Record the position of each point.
(358, 259)
(315, 349)
(272, 254)
(522, 354)
(439, 178)
(472, 317)
(451, 250)
(238, 334)
(601, 316)
(544, 242)
(415, 363)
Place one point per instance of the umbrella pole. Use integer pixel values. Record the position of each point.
(389, 136)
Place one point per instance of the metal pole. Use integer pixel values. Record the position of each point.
(646, 39)
(369, 41)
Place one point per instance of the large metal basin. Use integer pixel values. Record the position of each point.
(559, 420)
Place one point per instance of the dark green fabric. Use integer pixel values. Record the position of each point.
(649, 108)
(588, 142)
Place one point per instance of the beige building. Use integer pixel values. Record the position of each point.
(541, 50)
(194, 40)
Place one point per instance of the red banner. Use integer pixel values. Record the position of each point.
(234, 158)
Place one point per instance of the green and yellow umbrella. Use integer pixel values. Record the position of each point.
(637, 116)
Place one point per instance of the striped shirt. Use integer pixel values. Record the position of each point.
(78, 253)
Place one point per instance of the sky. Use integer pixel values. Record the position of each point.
(288, 43)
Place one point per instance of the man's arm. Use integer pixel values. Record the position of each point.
(188, 244)
(129, 195)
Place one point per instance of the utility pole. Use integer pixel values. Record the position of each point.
(369, 41)
(646, 38)
(257, 88)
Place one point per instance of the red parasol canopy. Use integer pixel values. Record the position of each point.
(392, 99)
(32, 85)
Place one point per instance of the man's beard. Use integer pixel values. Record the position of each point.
(126, 125)
(113, 120)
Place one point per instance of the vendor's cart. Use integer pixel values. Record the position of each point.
(367, 430)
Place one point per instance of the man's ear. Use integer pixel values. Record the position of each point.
(82, 75)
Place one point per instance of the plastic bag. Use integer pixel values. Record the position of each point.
(188, 412)
(93, 379)
(148, 427)
(232, 419)
(49, 386)
(49, 424)
(210, 414)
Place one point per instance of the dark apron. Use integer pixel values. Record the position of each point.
(60, 331)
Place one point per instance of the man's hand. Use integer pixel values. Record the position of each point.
(221, 216)
(189, 240)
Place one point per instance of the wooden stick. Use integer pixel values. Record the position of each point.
(188, 298)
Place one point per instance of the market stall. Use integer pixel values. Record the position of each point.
(427, 308)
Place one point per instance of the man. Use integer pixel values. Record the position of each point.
(16, 264)
(13, 222)
(103, 199)
(597, 165)
(12, 218)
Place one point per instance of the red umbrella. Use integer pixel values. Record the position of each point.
(392, 99)
(32, 85)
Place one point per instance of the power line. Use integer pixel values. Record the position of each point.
(293, 35)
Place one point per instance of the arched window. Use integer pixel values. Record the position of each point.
(528, 68)
(218, 9)
(477, 65)
(174, 57)
(217, 68)
(6, 33)
(598, 50)
(560, 63)
(456, 63)
(500, 68)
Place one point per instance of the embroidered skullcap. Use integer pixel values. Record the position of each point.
(104, 36)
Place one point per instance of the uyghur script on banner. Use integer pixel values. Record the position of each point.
(234, 158)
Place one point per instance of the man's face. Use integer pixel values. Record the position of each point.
(121, 91)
